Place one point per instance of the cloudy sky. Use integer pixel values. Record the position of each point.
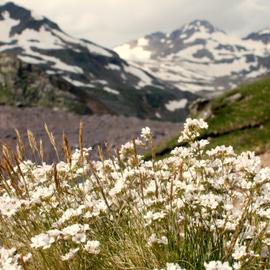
(112, 22)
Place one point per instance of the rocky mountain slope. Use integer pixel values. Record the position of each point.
(201, 58)
(48, 67)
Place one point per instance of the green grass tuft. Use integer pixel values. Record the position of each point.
(240, 117)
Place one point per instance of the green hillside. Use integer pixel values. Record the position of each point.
(240, 117)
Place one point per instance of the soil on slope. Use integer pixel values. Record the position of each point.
(115, 130)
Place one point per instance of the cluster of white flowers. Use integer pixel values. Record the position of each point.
(75, 233)
(172, 266)
(192, 128)
(43, 240)
(146, 134)
(70, 255)
(11, 260)
(217, 265)
(92, 247)
(163, 240)
(212, 193)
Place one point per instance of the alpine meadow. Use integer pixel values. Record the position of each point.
(135, 136)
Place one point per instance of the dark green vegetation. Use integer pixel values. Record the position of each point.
(240, 117)
(24, 85)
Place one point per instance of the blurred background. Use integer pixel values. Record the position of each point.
(121, 65)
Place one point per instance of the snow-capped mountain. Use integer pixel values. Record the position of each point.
(261, 36)
(94, 76)
(201, 58)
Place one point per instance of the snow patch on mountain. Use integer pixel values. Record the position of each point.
(113, 67)
(143, 78)
(36, 16)
(92, 76)
(133, 53)
(143, 42)
(31, 60)
(111, 91)
(6, 24)
(96, 49)
(176, 104)
(201, 58)
(33, 45)
(78, 83)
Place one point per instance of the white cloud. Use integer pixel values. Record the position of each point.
(112, 22)
(254, 5)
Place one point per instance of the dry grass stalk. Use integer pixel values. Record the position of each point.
(41, 150)
(66, 149)
(32, 142)
(17, 162)
(81, 140)
(4, 182)
(8, 168)
(52, 140)
(21, 146)
(56, 179)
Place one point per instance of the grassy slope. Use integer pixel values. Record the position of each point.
(243, 123)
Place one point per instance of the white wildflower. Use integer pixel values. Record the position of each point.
(10, 205)
(74, 229)
(146, 133)
(191, 129)
(70, 255)
(76, 232)
(27, 257)
(92, 247)
(42, 240)
(153, 239)
(70, 213)
(173, 266)
(239, 252)
(9, 259)
(217, 265)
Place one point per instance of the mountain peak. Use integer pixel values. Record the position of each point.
(200, 22)
(262, 36)
(15, 10)
(157, 35)
(199, 26)
(265, 31)
(25, 18)
(7, 4)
